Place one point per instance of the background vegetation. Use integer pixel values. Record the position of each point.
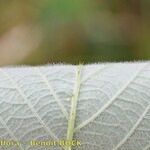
(44, 31)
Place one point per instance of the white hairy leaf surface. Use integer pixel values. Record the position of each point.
(104, 106)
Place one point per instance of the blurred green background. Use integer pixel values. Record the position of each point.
(72, 31)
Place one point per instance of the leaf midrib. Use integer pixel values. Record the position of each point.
(74, 100)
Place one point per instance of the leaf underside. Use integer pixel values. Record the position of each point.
(104, 106)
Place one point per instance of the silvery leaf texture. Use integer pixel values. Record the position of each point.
(105, 106)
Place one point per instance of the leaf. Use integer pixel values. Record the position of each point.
(104, 106)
